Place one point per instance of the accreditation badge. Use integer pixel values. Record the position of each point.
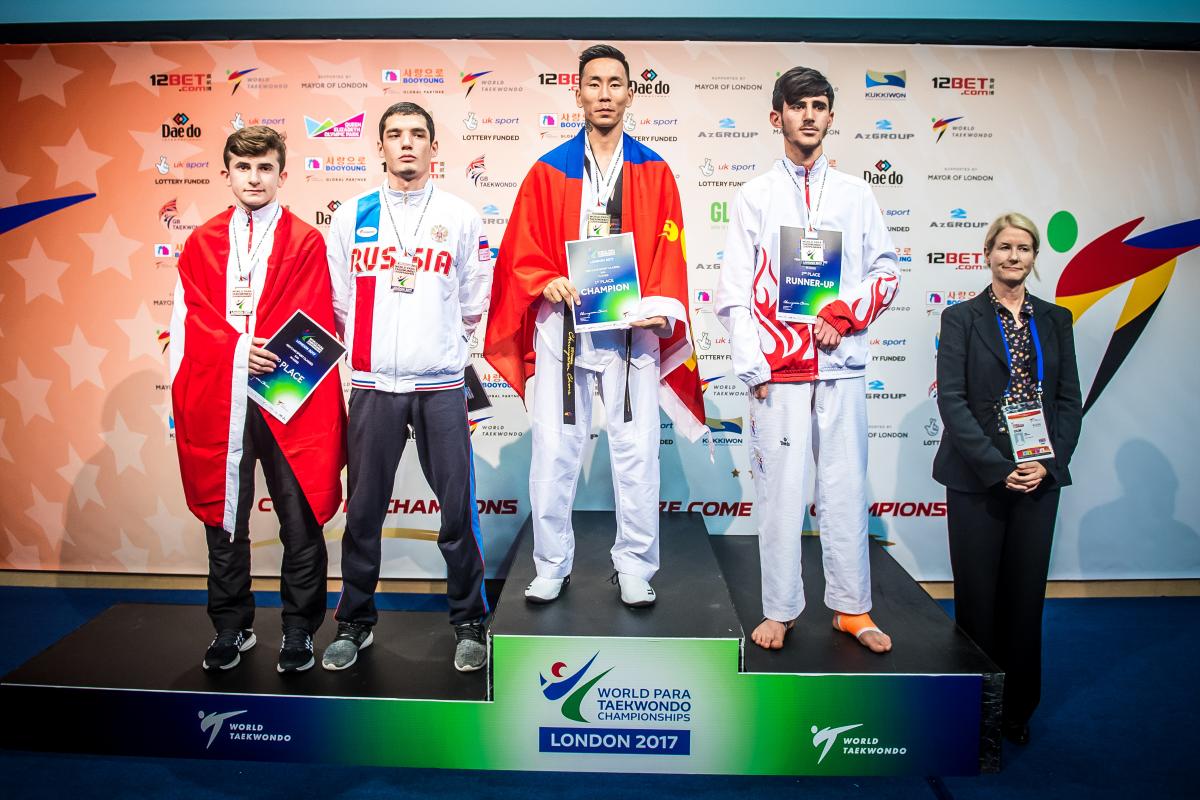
(598, 224)
(241, 301)
(1026, 423)
(404, 275)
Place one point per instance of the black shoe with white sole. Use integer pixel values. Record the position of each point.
(227, 647)
(296, 654)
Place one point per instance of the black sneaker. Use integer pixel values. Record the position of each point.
(296, 654)
(227, 647)
(470, 651)
(343, 651)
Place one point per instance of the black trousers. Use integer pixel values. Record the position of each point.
(1000, 553)
(305, 560)
(378, 431)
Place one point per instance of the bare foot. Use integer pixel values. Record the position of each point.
(876, 641)
(864, 629)
(769, 634)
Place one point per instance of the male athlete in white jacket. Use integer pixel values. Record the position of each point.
(807, 378)
(411, 275)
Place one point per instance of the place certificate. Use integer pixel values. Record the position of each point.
(604, 271)
(810, 272)
(307, 354)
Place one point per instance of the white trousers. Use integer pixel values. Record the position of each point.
(558, 453)
(834, 415)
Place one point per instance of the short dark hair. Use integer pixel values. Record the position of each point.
(602, 51)
(798, 83)
(406, 110)
(255, 140)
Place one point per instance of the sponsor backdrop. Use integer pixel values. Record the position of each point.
(119, 159)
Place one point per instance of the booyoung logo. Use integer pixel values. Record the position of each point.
(313, 164)
(350, 128)
(414, 80)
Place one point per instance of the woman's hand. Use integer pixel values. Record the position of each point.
(1026, 477)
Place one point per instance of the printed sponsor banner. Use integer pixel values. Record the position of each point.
(120, 159)
(561, 703)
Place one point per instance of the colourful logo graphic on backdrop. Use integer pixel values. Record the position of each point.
(235, 77)
(879, 78)
(469, 79)
(557, 690)
(1109, 262)
(350, 128)
(940, 126)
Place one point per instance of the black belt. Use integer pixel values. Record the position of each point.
(568, 368)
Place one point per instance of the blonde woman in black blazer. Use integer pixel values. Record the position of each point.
(1000, 514)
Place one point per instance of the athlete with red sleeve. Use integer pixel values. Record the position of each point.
(807, 379)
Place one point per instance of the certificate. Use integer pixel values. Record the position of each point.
(604, 271)
(810, 272)
(307, 354)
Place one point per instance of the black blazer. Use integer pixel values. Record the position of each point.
(972, 374)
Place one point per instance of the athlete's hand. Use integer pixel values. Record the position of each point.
(826, 335)
(657, 325)
(261, 361)
(761, 391)
(559, 289)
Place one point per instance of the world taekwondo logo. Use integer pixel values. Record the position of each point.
(212, 723)
(469, 79)
(825, 738)
(555, 690)
(1110, 261)
(235, 77)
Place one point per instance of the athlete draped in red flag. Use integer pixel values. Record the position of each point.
(241, 277)
(612, 180)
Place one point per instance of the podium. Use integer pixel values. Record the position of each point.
(581, 684)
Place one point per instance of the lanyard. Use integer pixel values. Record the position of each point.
(602, 186)
(1037, 349)
(237, 248)
(387, 204)
(810, 213)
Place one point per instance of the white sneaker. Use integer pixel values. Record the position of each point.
(635, 592)
(545, 590)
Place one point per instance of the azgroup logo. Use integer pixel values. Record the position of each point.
(1109, 262)
(555, 690)
(350, 128)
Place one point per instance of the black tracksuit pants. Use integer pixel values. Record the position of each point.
(378, 431)
(305, 560)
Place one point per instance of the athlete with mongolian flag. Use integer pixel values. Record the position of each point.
(242, 275)
(601, 183)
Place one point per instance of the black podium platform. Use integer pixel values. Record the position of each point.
(583, 683)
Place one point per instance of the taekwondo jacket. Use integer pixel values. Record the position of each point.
(399, 342)
(766, 349)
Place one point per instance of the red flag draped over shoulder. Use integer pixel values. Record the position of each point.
(533, 252)
(208, 391)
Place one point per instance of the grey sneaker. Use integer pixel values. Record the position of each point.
(343, 651)
(470, 653)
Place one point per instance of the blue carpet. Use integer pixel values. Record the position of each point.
(1116, 719)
